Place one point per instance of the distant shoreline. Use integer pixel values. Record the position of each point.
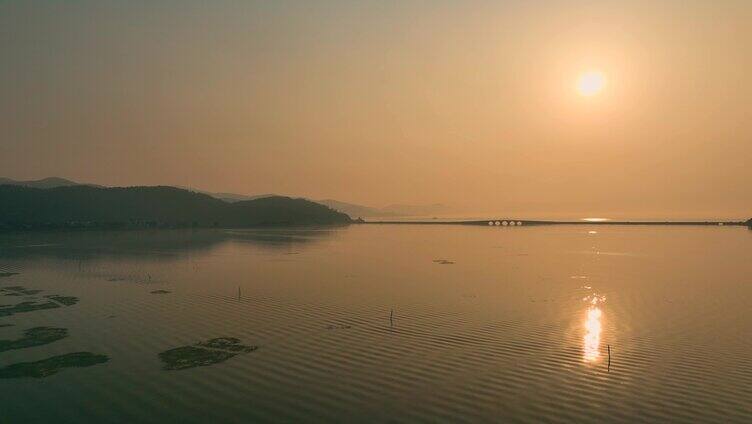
(524, 222)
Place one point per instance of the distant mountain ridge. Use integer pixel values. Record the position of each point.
(396, 210)
(50, 182)
(354, 210)
(351, 209)
(82, 206)
(228, 197)
(53, 182)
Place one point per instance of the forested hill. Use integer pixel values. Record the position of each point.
(161, 206)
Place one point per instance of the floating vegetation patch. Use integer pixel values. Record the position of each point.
(55, 301)
(443, 262)
(7, 274)
(6, 325)
(186, 357)
(227, 343)
(338, 327)
(131, 278)
(36, 336)
(203, 354)
(18, 291)
(64, 300)
(8, 310)
(52, 365)
(160, 291)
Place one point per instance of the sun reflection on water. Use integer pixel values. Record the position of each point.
(592, 339)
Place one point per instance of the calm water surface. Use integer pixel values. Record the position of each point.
(390, 323)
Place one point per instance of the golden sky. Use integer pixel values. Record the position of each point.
(474, 104)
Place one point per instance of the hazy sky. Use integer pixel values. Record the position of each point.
(468, 103)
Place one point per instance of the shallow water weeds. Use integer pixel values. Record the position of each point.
(18, 291)
(8, 310)
(64, 300)
(205, 353)
(36, 336)
(52, 302)
(49, 366)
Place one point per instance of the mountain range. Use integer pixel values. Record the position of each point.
(50, 182)
(83, 206)
(351, 209)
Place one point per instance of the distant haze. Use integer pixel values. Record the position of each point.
(471, 104)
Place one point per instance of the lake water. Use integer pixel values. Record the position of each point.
(374, 323)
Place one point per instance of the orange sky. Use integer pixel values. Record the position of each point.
(468, 103)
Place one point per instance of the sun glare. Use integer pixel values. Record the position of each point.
(591, 83)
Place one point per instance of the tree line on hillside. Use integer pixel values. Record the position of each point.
(150, 207)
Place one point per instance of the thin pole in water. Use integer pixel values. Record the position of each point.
(238, 292)
(391, 317)
(609, 359)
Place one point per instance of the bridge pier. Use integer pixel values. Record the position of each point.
(504, 223)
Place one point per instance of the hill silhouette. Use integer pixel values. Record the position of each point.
(351, 209)
(49, 182)
(80, 206)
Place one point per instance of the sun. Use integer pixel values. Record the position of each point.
(591, 83)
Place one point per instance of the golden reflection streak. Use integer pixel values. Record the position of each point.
(592, 339)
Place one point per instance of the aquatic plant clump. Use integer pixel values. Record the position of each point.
(227, 343)
(54, 301)
(36, 336)
(160, 291)
(8, 310)
(64, 300)
(18, 291)
(186, 357)
(7, 274)
(203, 354)
(49, 366)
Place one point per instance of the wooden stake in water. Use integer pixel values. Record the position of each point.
(391, 317)
(238, 292)
(609, 359)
